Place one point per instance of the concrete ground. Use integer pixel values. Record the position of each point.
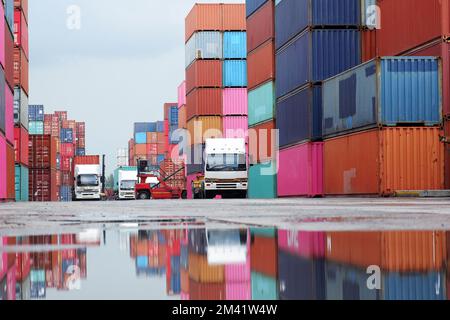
(303, 214)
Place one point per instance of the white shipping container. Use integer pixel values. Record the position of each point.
(20, 107)
(204, 45)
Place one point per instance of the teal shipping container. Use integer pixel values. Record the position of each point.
(261, 104)
(263, 181)
(36, 127)
(264, 288)
(235, 45)
(264, 232)
(235, 73)
(21, 183)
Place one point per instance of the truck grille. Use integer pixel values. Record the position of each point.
(226, 186)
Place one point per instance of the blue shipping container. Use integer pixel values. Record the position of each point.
(251, 6)
(140, 138)
(175, 283)
(235, 45)
(173, 116)
(184, 257)
(294, 16)
(35, 113)
(386, 91)
(315, 56)
(161, 158)
(21, 183)
(66, 136)
(65, 192)
(80, 152)
(9, 14)
(159, 126)
(235, 73)
(414, 286)
(299, 117)
(144, 127)
(142, 262)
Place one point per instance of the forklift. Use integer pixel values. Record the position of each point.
(150, 185)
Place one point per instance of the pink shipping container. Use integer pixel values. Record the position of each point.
(2, 36)
(185, 296)
(235, 127)
(301, 171)
(302, 243)
(9, 115)
(189, 180)
(238, 291)
(235, 102)
(11, 283)
(182, 95)
(3, 258)
(3, 171)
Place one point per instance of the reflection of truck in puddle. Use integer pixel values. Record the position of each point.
(226, 246)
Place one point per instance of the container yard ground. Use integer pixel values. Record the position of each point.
(305, 214)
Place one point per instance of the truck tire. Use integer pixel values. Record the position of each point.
(144, 196)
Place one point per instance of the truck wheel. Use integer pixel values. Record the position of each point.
(144, 196)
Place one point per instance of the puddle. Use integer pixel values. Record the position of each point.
(225, 264)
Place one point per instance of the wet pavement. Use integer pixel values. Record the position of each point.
(344, 249)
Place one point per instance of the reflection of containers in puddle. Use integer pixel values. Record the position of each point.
(301, 278)
(403, 251)
(3, 288)
(414, 286)
(206, 291)
(38, 290)
(184, 256)
(202, 272)
(173, 276)
(348, 283)
(71, 274)
(185, 296)
(197, 241)
(23, 265)
(11, 283)
(302, 243)
(238, 291)
(264, 287)
(184, 281)
(264, 251)
(23, 289)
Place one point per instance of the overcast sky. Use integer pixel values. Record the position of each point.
(119, 67)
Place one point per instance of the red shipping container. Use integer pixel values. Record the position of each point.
(203, 17)
(233, 16)
(447, 156)
(86, 160)
(162, 148)
(264, 256)
(62, 115)
(10, 173)
(66, 164)
(406, 24)
(152, 148)
(261, 65)
(21, 145)
(262, 142)
(204, 102)
(42, 152)
(21, 31)
(9, 58)
(23, 5)
(55, 126)
(22, 265)
(66, 178)
(42, 185)
(81, 142)
(81, 128)
(21, 70)
(204, 74)
(67, 150)
(369, 44)
(58, 178)
(206, 291)
(261, 26)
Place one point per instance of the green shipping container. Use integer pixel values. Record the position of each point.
(116, 175)
(261, 104)
(263, 287)
(263, 181)
(21, 183)
(36, 127)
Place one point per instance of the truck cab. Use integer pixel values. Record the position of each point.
(226, 171)
(125, 179)
(87, 185)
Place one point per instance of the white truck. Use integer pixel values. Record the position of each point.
(125, 179)
(226, 170)
(87, 185)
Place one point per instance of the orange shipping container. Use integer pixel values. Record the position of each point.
(447, 155)
(204, 73)
(383, 161)
(202, 128)
(261, 65)
(204, 102)
(201, 271)
(203, 17)
(184, 275)
(21, 70)
(182, 117)
(142, 248)
(140, 149)
(152, 137)
(369, 44)
(264, 256)
(262, 142)
(234, 17)
(161, 137)
(261, 26)
(206, 291)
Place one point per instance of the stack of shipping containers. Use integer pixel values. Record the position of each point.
(381, 120)
(314, 41)
(261, 98)
(52, 127)
(149, 143)
(7, 171)
(80, 145)
(216, 78)
(21, 91)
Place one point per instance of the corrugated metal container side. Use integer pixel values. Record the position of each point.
(42, 152)
(261, 26)
(300, 278)
(302, 243)
(204, 102)
(204, 45)
(251, 6)
(264, 255)
(2, 36)
(201, 271)
(2, 102)
(21, 70)
(387, 91)
(21, 183)
(202, 128)
(203, 17)
(447, 156)
(21, 31)
(140, 138)
(384, 161)
(348, 283)
(204, 74)
(140, 127)
(235, 45)
(415, 286)
(261, 104)
(368, 44)
(2, 167)
(21, 145)
(299, 117)
(263, 142)
(235, 127)
(238, 273)
(316, 55)
(359, 249)
(233, 17)
(182, 94)
(235, 73)
(238, 291)
(400, 28)
(263, 181)
(66, 193)
(9, 58)
(206, 291)
(293, 16)
(182, 117)
(20, 107)
(9, 115)
(235, 101)
(36, 127)
(35, 113)
(42, 185)
(261, 65)
(10, 172)
(263, 287)
(300, 171)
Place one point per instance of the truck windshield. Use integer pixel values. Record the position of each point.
(87, 180)
(127, 185)
(226, 162)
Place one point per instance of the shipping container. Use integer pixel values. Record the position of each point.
(264, 253)
(140, 138)
(204, 74)
(235, 45)
(21, 183)
(233, 17)
(20, 107)
(197, 241)
(35, 113)
(182, 94)
(140, 127)
(2, 103)
(253, 5)
(9, 58)
(447, 155)
(42, 186)
(173, 116)
(300, 171)
(238, 273)
(2, 36)
(235, 127)
(261, 26)
(42, 152)
(386, 91)
(261, 104)
(65, 193)
(9, 115)
(67, 136)
(261, 65)
(21, 69)
(36, 127)
(203, 17)
(369, 48)
(414, 286)
(235, 73)
(3, 167)
(294, 16)
(263, 142)
(206, 291)
(204, 45)
(314, 56)
(262, 181)
(201, 271)
(9, 14)
(299, 116)
(21, 145)
(264, 287)
(205, 127)
(383, 161)
(204, 102)
(302, 243)
(301, 278)
(67, 150)
(238, 291)
(80, 152)
(10, 173)
(21, 31)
